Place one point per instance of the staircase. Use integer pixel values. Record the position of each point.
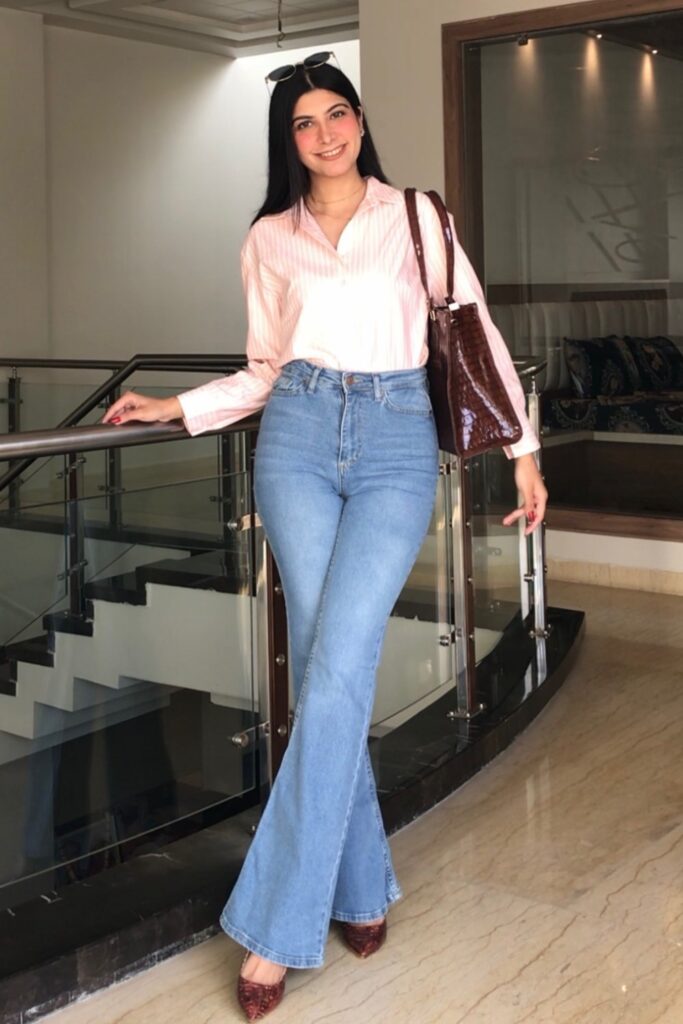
(176, 622)
(188, 622)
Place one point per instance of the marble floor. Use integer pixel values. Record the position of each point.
(547, 890)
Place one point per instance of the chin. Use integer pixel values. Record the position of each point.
(336, 170)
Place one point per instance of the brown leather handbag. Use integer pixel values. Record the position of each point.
(472, 409)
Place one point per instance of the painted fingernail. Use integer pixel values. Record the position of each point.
(115, 419)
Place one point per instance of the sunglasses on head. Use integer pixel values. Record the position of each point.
(314, 60)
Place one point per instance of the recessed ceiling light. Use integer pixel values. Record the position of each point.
(598, 35)
(654, 50)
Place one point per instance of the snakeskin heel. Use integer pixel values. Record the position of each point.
(364, 939)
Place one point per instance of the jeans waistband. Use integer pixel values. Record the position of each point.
(314, 376)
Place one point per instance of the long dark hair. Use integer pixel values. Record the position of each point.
(288, 178)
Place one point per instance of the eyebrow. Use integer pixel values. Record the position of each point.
(309, 117)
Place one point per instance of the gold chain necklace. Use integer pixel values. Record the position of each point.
(327, 202)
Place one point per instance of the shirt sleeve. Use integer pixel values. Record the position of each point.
(468, 289)
(227, 399)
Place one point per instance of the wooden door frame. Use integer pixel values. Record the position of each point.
(454, 37)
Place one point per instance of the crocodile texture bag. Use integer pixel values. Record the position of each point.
(472, 409)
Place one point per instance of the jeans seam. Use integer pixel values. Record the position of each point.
(388, 871)
(349, 808)
(390, 881)
(316, 633)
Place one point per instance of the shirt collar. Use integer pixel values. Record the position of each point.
(378, 192)
(375, 193)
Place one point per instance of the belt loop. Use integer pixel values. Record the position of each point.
(314, 379)
(377, 386)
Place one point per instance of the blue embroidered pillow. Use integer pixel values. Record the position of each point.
(600, 366)
(660, 362)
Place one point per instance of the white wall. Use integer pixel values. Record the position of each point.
(158, 161)
(23, 224)
(653, 566)
(153, 160)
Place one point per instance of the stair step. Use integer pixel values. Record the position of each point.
(38, 650)
(66, 622)
(210, 570)
(8, 678)
(124, 589)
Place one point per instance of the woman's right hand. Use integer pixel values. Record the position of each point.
(131, 406)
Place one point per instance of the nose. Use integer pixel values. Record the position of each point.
(325, 133)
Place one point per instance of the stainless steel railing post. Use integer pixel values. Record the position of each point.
(538, 568)
(74, 570)
(458, 506)
(14, 426)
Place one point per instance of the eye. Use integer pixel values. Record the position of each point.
(339, 113)
(302, 124)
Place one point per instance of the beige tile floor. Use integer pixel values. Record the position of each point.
(547, 890)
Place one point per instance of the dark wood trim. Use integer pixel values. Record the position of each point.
(455, 35)
(278, 672)
(473, 228)
(515, 294)
(547, 18)
(579, 520)
(454, 130)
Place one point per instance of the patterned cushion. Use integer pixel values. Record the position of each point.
(601, 366)
(660, 362)
(655, 415)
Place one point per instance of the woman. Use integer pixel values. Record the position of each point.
(345, 475)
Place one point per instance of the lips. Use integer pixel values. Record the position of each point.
(332, 154)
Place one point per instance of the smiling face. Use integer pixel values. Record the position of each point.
(326, 132)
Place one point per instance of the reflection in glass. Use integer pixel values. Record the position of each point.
(116, 726)
(416, 667)
(495, 556)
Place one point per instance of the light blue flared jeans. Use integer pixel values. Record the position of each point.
(345, 476)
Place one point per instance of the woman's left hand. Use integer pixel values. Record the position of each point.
(534, 494)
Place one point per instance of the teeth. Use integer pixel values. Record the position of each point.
(333, 152)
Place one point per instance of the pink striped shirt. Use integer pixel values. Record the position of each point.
(359, 307)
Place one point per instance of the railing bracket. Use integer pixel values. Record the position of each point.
(466, 715)
(254, 732)
(541, 633)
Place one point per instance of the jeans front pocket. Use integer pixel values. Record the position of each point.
(414, 401)
(288, 385)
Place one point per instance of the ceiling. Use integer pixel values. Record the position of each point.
(230, 27)
(663, 32)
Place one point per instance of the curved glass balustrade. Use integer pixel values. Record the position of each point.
(144, 677)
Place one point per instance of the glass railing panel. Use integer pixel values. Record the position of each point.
(33, 563)
(122, 743)
(146, 474)
(416, 667)
(45, 404)
(4, 404)
(495, 550)
(40, 489)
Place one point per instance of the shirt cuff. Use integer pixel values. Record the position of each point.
(524, 446)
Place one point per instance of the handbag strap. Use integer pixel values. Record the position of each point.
(411, 206)
(440, 208)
